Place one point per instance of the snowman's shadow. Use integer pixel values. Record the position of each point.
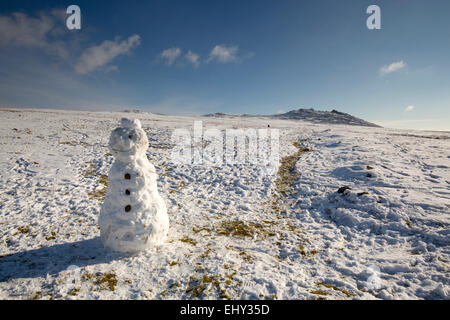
(54, 259)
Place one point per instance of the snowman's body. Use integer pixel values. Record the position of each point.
(133, 216)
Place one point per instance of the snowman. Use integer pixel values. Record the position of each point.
(133, 216)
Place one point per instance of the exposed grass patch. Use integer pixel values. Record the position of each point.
(166, 172)
(206, 253)
(237, 228)
(189, 240)
(206, 279)
(51, 237)
(287, 176)
(306, 254)
(330, 286)
(26, 130)
(69, 143)
(38, 295)
(105, 281)
(180, 186)
(74, 143)
(98, 194)
(197, 229)
(320, 292)
(343, 189)
(223, 294)
(231, 276)
(88, 276)
(242, 229)
(195, 286)
(24, 229)
(202, 284)
(74, 291)
(246, 257)
(108, 279)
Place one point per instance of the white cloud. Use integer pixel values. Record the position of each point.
(112, 68)
(29, 83)
(220, 53)
(223, 54)
(409, 108)
(395, 66)
(193, 58)
(170, 55)
(42, 31)
(46, 31)
(97, 56)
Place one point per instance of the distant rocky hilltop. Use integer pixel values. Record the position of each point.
(317, 116)
(310, 115)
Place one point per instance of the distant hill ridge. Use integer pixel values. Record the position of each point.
(310, 115)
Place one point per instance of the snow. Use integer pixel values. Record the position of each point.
(133, 216)
(233, 234)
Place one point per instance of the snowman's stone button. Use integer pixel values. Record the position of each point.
(127, 208)
(127, 192)
(127, 176)
(130, 136)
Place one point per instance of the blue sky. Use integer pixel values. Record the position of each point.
(259, 57)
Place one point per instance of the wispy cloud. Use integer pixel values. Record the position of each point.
(395, 66)
(409, 108)
(44, 31)
(169, 56)
(193, 58)
(30, 83)
(112, 68)
(220, 53)
(223, 54)
(97, 56)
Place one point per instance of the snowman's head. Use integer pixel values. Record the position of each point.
(129, 140)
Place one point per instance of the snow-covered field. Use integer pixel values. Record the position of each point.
(235, 232)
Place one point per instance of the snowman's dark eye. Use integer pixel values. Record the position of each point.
(130, 136)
